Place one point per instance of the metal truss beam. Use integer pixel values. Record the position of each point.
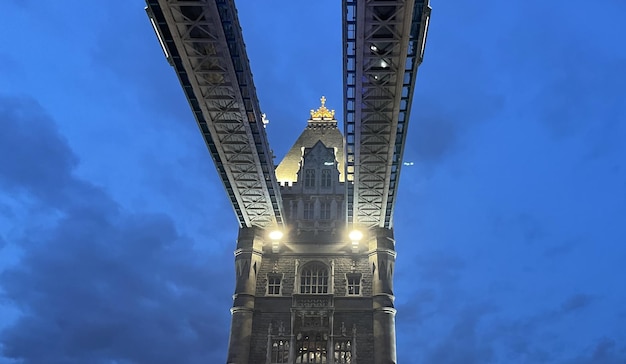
(202, 40)
(383, 46)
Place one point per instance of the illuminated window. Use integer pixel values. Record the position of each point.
(311, 348)
(343, 351)
(280, 351)
(326, 178)
(325, 210)
(314, 279)
(354, 284)
(273, 284)
(308, 210)
(309, 178)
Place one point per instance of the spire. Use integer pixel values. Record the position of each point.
(322, 113)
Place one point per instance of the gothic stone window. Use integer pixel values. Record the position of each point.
(314, 279)
(354, 284)
(280, 351)
(309, 178)
(326, 178)
(273, 284)
(325, 210)
(343, 351)
(308, 210)
(311, 347)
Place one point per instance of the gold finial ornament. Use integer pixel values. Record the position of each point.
(323, 113)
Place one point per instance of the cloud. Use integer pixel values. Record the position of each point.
(100, 284)
(561, 249)
(605, 351)
(35, 157)
(528, 228)
(464, 343)
(439, 266)
(438, 129)
(435, 138)
(576, 302)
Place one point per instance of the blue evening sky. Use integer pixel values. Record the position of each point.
(116, 236)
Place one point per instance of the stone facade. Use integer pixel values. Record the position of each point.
(314, 296)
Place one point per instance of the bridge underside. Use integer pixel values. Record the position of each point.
(202, 40)
(383, 46)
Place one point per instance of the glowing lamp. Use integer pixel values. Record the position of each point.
(355, 236)
(275, 236)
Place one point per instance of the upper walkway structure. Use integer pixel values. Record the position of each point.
(384, 44)
(202, 40)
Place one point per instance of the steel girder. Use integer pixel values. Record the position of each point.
(383, 46)
(202, 40)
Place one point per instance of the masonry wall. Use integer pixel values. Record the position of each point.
(353, 311)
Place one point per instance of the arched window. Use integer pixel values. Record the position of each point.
(314, 279)
(311, 348)
(343, 351)
(309, 210)
(326, 178)
(280, 351)
(325, 210)
(309, 178)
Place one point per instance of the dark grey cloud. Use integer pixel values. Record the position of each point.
(101, 284)
(533, 338)
(464, 343)
(531, 227)
(605, 351)
(34, 156)
(576, 302)
(561, 249)
(524, 226)
(438, 129)
(439, 266)
(434, 138)
(446, 322)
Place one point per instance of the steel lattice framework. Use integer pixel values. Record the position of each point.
(202, 40)
(383, 46)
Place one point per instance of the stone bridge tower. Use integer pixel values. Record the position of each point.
(319, 293)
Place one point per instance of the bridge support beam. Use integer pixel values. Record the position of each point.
(248, 256)
(382, 259)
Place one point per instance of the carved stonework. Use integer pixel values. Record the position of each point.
(309, 302)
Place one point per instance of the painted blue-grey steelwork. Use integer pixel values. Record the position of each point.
(247, 173)
(375, 123)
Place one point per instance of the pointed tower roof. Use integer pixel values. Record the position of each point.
(322, 126)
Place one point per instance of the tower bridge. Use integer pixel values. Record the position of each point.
(315, 254)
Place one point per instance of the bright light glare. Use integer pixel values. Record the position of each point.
(276, 235)
(355, 235)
